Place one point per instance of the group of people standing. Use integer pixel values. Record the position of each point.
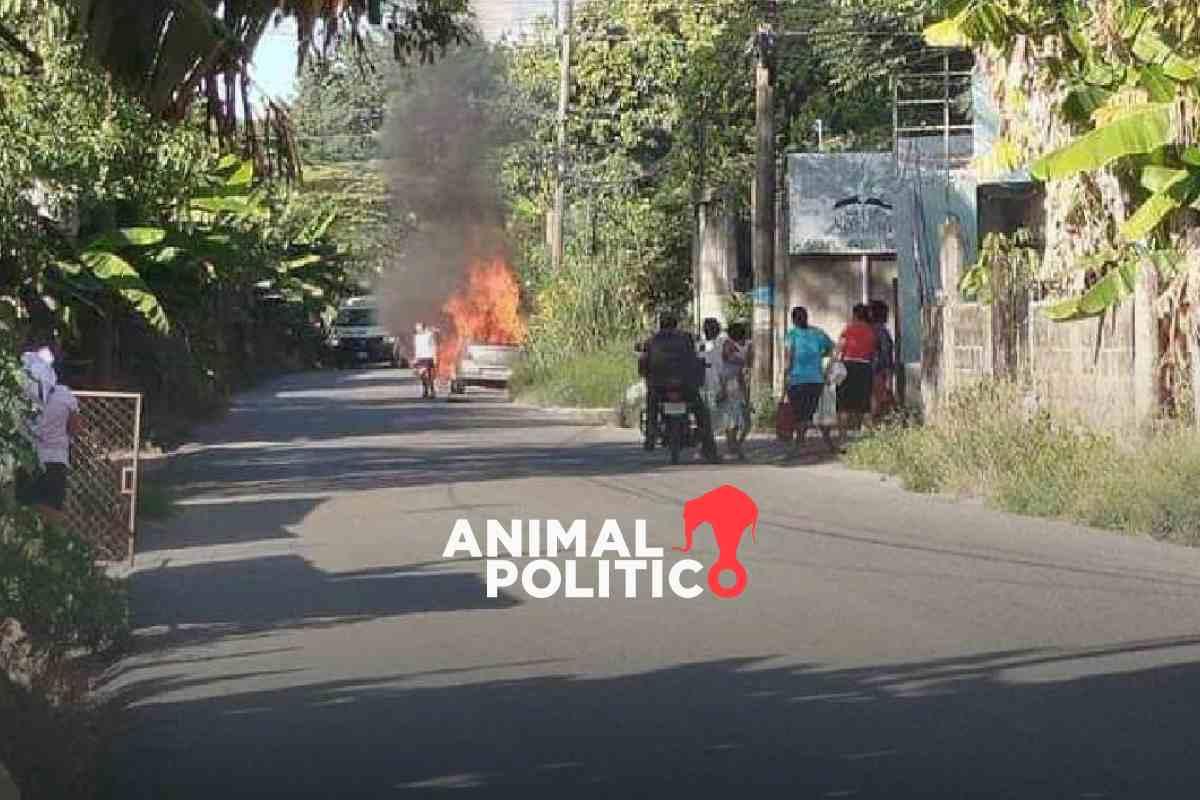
(727, 355)
(861, 364)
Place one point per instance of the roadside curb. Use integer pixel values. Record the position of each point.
(599, 417)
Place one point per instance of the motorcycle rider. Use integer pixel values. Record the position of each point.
(669, 358)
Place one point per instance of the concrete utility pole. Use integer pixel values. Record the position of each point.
(764, 209)
(566, 26)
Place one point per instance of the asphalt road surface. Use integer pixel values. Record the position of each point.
(301, 636)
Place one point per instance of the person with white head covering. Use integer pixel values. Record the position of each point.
(54, 423)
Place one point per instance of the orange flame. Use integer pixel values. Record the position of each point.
(485, 310)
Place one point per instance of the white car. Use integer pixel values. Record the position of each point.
(489, 365)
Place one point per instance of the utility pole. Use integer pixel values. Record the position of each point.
(567, 24)
(764, 208)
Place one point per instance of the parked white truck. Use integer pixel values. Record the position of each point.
(358, 338)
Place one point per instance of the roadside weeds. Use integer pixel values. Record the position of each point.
(986, 444)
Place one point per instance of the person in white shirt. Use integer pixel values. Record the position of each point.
(724, 362)
(55, 423)
(425, 358)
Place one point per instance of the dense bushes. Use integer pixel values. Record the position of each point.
(50, 584)
(55, 604)
(986, 442)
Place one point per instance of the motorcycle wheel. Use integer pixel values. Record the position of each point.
(675, 435)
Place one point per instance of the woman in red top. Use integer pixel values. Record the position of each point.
(856, 349)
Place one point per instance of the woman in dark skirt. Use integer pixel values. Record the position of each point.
(856, 349)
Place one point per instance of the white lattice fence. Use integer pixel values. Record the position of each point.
(102, 492)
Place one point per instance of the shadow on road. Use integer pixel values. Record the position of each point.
(986, 726)
(199, 603)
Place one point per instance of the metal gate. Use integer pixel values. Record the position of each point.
(102, 490)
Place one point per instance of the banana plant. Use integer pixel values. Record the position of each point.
(1126, 98)
(106, 263)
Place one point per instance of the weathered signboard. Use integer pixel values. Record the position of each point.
(842, 203)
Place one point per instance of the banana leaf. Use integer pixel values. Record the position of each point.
(1157, 84)
(1142, 132)
(1153, 50)
(1158, 178)
(301, 262)
(1151, 213)
(1083, 101)
(1107, 293)
(126, 237)
(105, 265)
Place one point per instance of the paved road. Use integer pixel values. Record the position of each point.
(300, 635)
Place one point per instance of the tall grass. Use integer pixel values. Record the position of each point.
(598, 379)
(985, 442)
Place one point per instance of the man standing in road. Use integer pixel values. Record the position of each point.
(425, 358)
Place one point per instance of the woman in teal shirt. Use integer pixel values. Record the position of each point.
(807, 348)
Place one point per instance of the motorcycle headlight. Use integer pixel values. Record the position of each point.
(334, 341)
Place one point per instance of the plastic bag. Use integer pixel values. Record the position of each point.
(837, 374)
(826, 415)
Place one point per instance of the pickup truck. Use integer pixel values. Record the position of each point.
(357, 337)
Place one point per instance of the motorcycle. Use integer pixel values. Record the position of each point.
(677, 426)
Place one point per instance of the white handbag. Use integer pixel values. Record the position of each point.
(826, 414)
(837, 373)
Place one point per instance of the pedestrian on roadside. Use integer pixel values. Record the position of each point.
(856, 350)
(740, 335)
(883, 397)
(723, 362)
(55, 422)
(806, 349)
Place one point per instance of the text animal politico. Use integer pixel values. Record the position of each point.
(556, 551)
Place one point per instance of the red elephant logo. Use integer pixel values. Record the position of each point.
(729, 511)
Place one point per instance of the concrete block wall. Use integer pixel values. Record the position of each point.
(1078, 370)
(1086, 369)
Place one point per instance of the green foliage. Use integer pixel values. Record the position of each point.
(49, 581)
(1013, 256)
(662, 113)
(1125, 74)
(739, 307)
(1114, 277)
(1140, 132)
(597, 379)
(51, 584)
(340, 103)
(986, 443)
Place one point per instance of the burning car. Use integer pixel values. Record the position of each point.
(489, 365)
(486, 328)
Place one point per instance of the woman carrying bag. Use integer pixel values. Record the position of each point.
(807, 348)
